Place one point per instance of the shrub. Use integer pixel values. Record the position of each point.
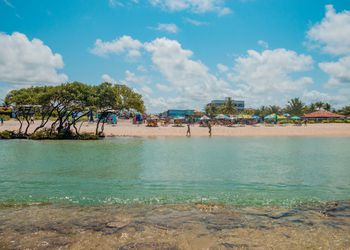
(87, 136)
(6, 135)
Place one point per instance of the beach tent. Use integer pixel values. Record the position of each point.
(204, 118)
(246, 117)
(222, 117)
(270, 117)
(295, 118)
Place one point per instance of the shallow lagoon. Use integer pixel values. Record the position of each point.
(235, 171)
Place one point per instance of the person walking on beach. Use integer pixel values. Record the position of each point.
(1, 121)
(209, 127)
(188, 133)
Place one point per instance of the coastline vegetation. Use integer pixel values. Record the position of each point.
(66, 105)
(294, 107)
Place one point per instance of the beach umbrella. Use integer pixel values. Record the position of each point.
(295, 118)
(179, 118)
(221, 117)
(255, 117)
(269, 117)
(204, 118)
(280, 117)
(286, 115)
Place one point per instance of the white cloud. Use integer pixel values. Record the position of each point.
(189, 78)
(108, 78)
(222, 68)
(28, 62)
(263, 44)
(267, 76)
(115, 3)
(167, 27)
(338, 71)
(142, 68)
(147, 90)
(124, 44)
(338, 99)
(163, 87)
(196, 6)
(131, 77)
(194, 22)
(332, 34)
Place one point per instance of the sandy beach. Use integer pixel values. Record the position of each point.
(126, 128)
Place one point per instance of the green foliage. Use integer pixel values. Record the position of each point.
(295, 107)
(345, 111)
(6, 135)
(59, 103)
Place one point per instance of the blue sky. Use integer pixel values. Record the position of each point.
(183, 53)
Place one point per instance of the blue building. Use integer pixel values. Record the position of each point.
(238, 104)
(172, 113)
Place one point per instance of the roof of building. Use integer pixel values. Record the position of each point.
(323, 114)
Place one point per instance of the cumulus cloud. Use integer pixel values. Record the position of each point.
(222, 68)
(263, 44)
(24, 61)
(163, 87)
(167, 27)
(124, 44)
(270, 76)
(191, 79)
(338, 71)
(267, 76)
(196, 6)
(332, 34)
(338, 99)
(108, 78)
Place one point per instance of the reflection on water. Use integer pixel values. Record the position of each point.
(240, 171)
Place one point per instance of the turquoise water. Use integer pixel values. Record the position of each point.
(240, 171)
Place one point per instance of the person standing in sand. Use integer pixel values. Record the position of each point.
(188, 133)
(209, 127)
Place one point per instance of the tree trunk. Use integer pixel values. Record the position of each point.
(28, 125)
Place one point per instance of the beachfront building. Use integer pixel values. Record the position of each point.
(238, 104)
(322, 115)
(6, 111)
(173, 113)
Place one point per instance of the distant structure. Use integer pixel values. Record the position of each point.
(322, 115)
(173, 113)
(238, 104)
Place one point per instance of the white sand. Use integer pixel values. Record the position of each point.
(125, 128)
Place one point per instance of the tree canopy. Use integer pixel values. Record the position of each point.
(63, 101)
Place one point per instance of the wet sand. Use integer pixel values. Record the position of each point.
(125, 128)
(196, 226)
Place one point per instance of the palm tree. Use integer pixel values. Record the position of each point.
(327, 106)
(229, 107)
(345, 110)
(274, 109)
(211, 110)
(295, 107)
(319, 105)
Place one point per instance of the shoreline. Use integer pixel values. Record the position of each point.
(124, 128)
